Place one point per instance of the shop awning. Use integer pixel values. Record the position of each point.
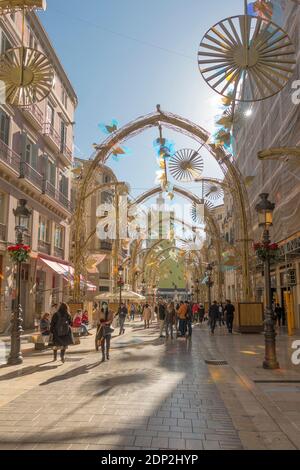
(67, 272)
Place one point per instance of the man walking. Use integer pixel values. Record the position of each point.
(229, 311)
(182, 313)
(123, 312)
(213, 316)
(161, 317)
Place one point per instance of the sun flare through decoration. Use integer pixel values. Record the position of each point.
(246, 57)
(186, 165)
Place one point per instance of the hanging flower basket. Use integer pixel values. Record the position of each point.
(19, 253)
(266, 251)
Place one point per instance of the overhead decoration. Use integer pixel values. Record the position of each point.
(213, 192)
(109, 128)
(186, 165)
(246, 56)
(165, 149)
(7, 6)
(197, 213)
(27, 74)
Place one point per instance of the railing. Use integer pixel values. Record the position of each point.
(2, 232)
(28, 172)
(49, 130)
(51, 191)
(104, 276)
(44, 247)
(36, 113)
(105, 246)
(8, 156)
(59, 252)
(66, 151)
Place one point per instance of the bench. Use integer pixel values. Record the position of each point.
(40, 342)
(76, 334)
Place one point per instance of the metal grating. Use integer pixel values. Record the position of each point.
(216, 362)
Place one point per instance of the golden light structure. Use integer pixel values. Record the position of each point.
(26, 73)
(7, 6)
(246, 58)
(186, 165)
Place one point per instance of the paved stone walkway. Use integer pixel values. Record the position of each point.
(152, 394)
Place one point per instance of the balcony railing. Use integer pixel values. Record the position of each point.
(59, 252)
(44, 247)
(36, 113)
(2, 232)
(8, 156)
(104, 276)
(64, 150)
(31, 174)
(49, 130)
(51, 191)
(105, 246)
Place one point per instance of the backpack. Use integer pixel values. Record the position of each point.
(62, 326)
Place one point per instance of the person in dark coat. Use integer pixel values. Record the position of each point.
(229, 312)
(61, 330)
(213, 316)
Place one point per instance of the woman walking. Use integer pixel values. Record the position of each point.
(104, 331)
(61, 330)
(147, 315)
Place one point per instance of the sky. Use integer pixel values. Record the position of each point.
(124, 57)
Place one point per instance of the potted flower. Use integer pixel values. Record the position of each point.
(266, 250)
(19, 253)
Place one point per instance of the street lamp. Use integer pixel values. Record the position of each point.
(265, 210)
(197, 282)
(209, 282)
(143, 284)
(120, 283)
(22, 215)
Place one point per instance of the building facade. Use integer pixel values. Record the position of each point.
(274, 122)
(36, 152)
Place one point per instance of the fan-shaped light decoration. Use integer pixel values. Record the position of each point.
(246, 57)
(198, 211)
(7, 6)
(27, 75)
(186, 165)
(213, 192)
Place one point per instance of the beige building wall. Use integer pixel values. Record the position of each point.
(36, 151)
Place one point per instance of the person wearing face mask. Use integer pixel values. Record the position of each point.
(104, 331)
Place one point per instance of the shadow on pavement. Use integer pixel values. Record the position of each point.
(72, 373)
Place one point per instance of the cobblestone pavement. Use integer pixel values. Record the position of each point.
(152, 394)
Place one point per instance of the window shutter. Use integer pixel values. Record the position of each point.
(4, 127)
(23, 154)
(34, 156)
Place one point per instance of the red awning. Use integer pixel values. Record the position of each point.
(67, 272)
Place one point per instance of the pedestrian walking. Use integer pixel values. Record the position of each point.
(170, 319)
(104, 331)
(229, 312)
(147, 315)
(195, 310)
(132, 312)
(61, 330)
(201, 313)
(278, 314)
(161, 317)
(123, 313)
(221, 315)
(182, 312)
(189, 319)
(213, 316)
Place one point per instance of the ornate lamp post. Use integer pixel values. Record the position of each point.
(120, 283)
(209, 282)
(19, 253)
(265, 210)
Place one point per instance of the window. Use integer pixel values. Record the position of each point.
(4, 127)
(2, 208)
(63, 135)
(44, 229)
(31, 153)
(59, 237)
(51, 172)
(64, 98)
(106, 179)
(64, 185)
(50, 114)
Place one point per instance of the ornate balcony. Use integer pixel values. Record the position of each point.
(31, 174)
(44, 247)
(51, 191)
(52, 136)
(9, 157)
(66, 152)
(105, 246)
(59, 252)
(34, 115)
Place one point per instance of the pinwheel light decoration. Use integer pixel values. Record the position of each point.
(213, 192)
(186, 165)
(247, 57)
(26, 74)
(198, 211)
